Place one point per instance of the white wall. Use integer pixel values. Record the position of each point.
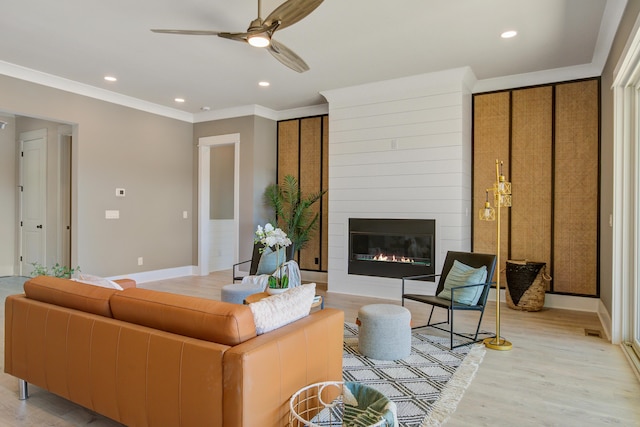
(8, 196)
(399, 149)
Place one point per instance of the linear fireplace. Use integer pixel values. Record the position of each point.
(391, 247)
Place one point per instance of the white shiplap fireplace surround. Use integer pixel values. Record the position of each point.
(399, 149)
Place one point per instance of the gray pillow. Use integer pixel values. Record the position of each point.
(461, 275)
(268, 261)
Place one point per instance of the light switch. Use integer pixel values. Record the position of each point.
(185, 214)
(120, 192)
(111, 214)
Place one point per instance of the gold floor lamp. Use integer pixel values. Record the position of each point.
(502, 199)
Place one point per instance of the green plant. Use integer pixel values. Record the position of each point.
(57, 270)
(293, 210)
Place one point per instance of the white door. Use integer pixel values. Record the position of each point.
(33, 199)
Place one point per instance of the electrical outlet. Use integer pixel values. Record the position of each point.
(108, 214)
(140, 261)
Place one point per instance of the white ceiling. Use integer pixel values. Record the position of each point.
(345, 43)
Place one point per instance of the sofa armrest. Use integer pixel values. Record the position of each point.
(261, 375)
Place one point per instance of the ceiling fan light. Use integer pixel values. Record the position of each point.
(259, 40)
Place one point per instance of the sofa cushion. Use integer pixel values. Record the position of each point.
(205, 319)
(279, 310)
(70, 294)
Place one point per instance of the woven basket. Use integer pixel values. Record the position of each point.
(526, 285)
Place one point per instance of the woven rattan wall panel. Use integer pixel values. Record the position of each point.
(310, 180)
(303, 153)
(531, 175)
(552, 135)
(491, 141)
(288, 149)
(576, 188)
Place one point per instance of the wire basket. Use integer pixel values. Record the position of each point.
(321, 405)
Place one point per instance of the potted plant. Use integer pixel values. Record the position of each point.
(57, 270)
(271, 237)
(293, 211)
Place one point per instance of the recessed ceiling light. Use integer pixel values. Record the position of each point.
(181, 100)
(509, 34)
(264, 84)
(110, 78)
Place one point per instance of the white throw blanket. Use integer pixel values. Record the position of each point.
(290, 268)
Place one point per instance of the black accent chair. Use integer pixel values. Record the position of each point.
(475, 260)
(255, 261)
(253, 268)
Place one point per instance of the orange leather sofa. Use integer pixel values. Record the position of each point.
(149, 358)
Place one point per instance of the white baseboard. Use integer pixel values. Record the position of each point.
(313, 276)
(605, 320)
(566, 302)
(6, 270)
(167, 273)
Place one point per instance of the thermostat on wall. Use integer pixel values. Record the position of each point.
(120, 192)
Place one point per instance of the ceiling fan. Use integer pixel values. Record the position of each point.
(260, 32)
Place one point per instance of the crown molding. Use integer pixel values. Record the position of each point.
(49, 80)
(537, 78)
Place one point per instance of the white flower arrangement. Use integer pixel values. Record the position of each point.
(271, 237)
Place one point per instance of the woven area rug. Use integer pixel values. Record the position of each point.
(426, 386)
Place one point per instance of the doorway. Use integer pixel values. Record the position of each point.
(44, 165)
(218, 202)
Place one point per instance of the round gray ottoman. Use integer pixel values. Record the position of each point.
(384, 331)
(236, 293)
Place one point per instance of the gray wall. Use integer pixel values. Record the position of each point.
(258, 142)
(606, 199)
(114, 146)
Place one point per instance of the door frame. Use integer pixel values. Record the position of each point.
(63, 202)
(626, 196)
(22, 137)
(204, 172)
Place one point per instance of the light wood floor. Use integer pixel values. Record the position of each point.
(554, 376)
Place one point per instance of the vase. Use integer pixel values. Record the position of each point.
(276, 291)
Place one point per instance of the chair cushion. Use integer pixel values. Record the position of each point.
(461, 275)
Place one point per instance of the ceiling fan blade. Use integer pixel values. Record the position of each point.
(291, 11)
(188, 32)
(241, 37)
(287, 57)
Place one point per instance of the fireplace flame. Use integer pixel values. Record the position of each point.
(392, 258)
